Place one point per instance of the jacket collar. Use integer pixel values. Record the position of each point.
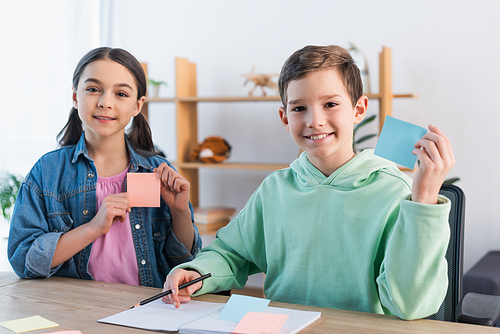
(136, 160)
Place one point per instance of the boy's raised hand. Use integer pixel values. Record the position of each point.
(436, 158)
(174, 188)
(176, 278)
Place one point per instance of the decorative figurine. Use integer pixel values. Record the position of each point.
(260, 80)
(360, 60)
(213, 149)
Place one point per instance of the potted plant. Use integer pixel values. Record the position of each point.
(356, 142)
(156, 86)
(9, 186)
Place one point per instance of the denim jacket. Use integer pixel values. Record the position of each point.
(59, 194)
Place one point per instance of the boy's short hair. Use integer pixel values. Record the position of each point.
(313, 58)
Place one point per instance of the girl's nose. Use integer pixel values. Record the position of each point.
(104, 102)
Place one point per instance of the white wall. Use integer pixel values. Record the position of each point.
(444, 51)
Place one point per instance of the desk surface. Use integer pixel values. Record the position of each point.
(78, 304)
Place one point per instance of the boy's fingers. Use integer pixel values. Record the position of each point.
(437, 146)
(430, 149)
(447, 142)
(172, 282)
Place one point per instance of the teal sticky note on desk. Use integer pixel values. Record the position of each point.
(397, 140)
(238, 305)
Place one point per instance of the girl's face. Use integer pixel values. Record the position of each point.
(106, 99)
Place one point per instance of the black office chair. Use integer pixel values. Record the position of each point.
(473, 308)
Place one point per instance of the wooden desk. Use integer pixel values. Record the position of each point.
(78, 304)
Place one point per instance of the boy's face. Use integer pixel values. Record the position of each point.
(320, 118)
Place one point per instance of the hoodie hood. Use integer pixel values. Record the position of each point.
(353, 174)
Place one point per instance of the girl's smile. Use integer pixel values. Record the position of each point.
(104, 118)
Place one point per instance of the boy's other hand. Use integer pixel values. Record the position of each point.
(176, 278)
(436, 158)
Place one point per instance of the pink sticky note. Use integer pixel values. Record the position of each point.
(143, 189)
(256, 322)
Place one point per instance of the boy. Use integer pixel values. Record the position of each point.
(335, 229)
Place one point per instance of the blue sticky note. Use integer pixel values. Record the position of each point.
(397, 140)
(238, 305)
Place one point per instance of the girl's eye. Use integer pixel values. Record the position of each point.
(121, 94)
(92, 89)
(330, 104)
(299, 109)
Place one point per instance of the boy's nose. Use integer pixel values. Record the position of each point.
(316, 118)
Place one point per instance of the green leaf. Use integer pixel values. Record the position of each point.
(156, 83)
(451, 180)
(365, 138)
(9, 187)
(364, 122)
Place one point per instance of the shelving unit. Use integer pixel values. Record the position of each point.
(186, 105)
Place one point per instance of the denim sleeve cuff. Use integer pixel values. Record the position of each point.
(40, 255)
(176, 250)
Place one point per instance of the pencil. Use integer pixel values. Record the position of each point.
(166, 293)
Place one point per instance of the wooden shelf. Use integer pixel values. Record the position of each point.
(230, 165)
(159, 99)
(186, 101)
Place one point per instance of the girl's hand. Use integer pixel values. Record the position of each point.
(174, 188)
(113, 208)
(436, 160)
(176, 278)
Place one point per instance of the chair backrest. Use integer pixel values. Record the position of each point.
(454, 254)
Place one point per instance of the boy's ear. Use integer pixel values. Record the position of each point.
(75, 101)
(138, 106)
(360, 109)
(284, 118)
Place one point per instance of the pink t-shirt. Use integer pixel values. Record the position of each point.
(113, 258)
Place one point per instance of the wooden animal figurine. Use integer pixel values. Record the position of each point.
(260, 80)
(213, 149)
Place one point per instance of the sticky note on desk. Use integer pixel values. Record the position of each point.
(238, 305)
(256, 322)
(397, 140)
(143, 189)
(28, 324)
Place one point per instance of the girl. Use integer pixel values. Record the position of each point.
(72, 216)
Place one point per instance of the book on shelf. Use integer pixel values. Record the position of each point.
(211, 228)
(213, 215)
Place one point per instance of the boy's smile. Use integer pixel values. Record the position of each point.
(320, 118)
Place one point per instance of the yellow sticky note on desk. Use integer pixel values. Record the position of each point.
(28, 324)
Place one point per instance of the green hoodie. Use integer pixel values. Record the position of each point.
(353, 240)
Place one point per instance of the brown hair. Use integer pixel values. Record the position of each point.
(140, 133)
(313, 58)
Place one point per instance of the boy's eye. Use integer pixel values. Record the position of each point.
(330, 104)
(92, 89)
(299, 109)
